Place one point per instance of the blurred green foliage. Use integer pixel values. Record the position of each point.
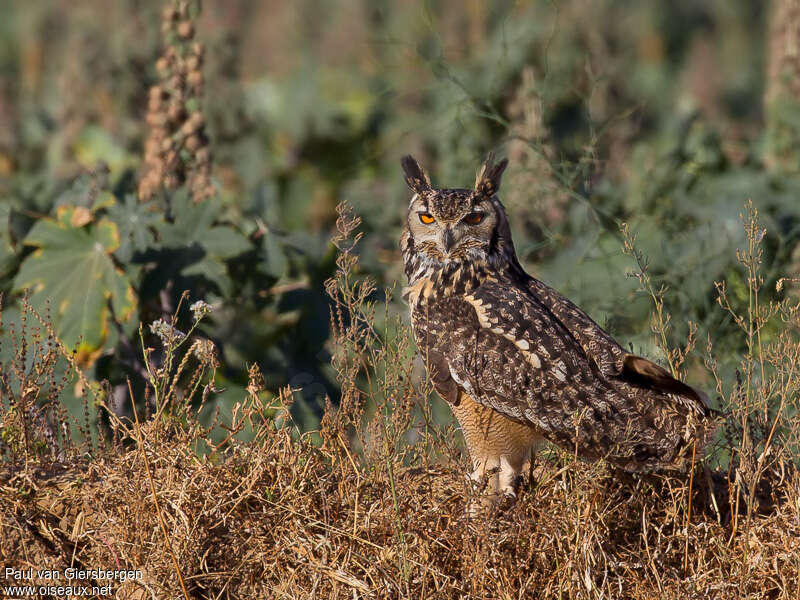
(648, 113)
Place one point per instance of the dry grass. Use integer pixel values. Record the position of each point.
(280, 520)
(380, 509)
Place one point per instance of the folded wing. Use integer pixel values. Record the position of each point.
(568, 378)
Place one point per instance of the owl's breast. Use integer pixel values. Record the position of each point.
(444, 332)
(428, 316)
(417, 292)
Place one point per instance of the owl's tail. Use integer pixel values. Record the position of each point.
(640, 371)
(692, 421)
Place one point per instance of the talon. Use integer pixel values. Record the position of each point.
(478, 484)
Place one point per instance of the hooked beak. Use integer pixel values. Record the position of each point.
(447, 239)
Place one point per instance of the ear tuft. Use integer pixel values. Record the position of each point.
(416, 177)
(487, 183)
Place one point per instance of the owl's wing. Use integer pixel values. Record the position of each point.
(514, 355)
(525, 364)
(598, 345)
(611, 359)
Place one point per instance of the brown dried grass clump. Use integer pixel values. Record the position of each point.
(376, 505)
(281, 519)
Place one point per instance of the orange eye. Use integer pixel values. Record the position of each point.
(474, 218)
(426, 218)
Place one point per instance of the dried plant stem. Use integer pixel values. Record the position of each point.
(689, 513)
(357, 471)
(661, 324)
(167, 541)
(398, 517)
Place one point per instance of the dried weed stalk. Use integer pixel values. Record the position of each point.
(164, 375)
(763, 405)
(177, 149)
(34, 420)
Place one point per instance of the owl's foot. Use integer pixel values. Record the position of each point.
(493, 490)
(487, 505)
(509, 478)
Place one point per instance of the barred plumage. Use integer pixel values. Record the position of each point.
(516, 360)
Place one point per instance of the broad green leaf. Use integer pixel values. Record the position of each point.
(195, 223)
(72, 268)
(134, 221)
(225, 242)
(273, 257)
(194, 226)
(191, 221)
(88, 191)
(213, 270)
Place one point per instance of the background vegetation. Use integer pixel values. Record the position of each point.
(650, 114)
(154, 155)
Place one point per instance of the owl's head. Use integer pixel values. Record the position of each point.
(457, 225)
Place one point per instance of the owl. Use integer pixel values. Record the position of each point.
(518, 362)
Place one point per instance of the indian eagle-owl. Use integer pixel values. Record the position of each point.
(517, 361)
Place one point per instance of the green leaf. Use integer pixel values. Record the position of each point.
(194, 226)
(194, 223)
(273, 257)
(134, 221)
(8, 257)
(73, 270)
(95, 144)
(224, 242)
(89, 192)
(213, 270)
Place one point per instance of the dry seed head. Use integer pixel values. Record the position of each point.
(187, 128)
(195, 78)
(197, 119)
(255, 380)
(170, 125)
(155, 119)
(152, 146)
(193, 143)
(186, 30)
(200, 309)
(154, 104)
(166, 332)
(178, 95)
(206, 352)
(176, 112)
(162, 66)
(193, 63)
